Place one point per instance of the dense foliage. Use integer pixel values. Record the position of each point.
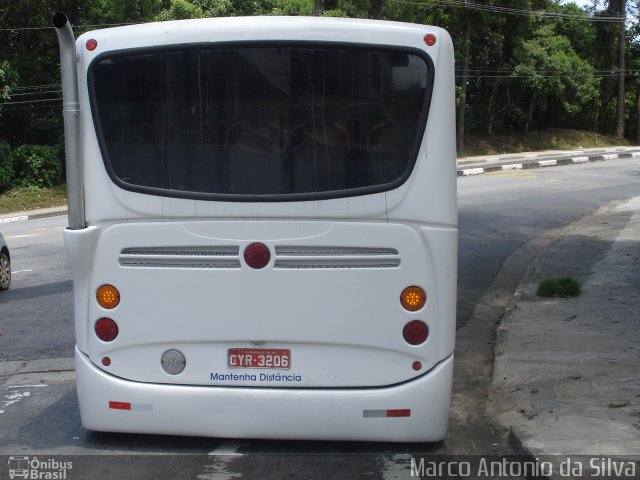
(521, 64)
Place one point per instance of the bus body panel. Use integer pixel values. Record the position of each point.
(111, 404)
(330, 294)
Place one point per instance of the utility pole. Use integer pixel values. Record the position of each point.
(317, 7)
(621, 69)
(463, 82)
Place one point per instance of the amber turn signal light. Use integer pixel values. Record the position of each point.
(413, 298)
(108, 296)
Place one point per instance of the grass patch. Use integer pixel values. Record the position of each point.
(19, 199)
(559, 287)
(551, 139)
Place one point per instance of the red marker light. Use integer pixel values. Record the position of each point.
(415, 332)
(430, 39)
(91, 45)
(257, 255)
(106, 329)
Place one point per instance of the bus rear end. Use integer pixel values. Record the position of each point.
(270, 242)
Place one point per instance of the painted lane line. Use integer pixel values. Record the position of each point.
(12, 387)
(12, 237)
(22, 271)
(14, 219)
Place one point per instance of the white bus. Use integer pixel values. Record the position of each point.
(262, 227)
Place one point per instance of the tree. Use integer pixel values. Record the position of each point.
(550, 73)
(619, 7)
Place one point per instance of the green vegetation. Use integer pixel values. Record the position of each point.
(550, 139)
(27, 198)
(559, 287)
(522, 67)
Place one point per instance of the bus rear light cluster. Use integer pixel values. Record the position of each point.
(108, 297)
(415, 332)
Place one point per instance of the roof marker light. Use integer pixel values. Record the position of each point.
(430, 39)
(91, 44)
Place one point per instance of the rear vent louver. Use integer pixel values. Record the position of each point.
(335, 257)
(181, 257)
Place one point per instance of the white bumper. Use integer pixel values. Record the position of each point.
(111, 404)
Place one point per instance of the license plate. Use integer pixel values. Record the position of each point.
(279, 358)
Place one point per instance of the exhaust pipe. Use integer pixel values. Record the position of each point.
(71, 114)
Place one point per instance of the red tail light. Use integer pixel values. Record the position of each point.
(257, 255)
(415, 332)
(106, 329)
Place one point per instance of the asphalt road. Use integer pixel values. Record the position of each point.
(501, 216)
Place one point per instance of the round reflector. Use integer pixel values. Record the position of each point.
(173, 362)
(106, 329)
(415, 332)
(257, 255)
(91, 45)
(108, 296)
(417, 366)
(413, 298)
(430, 39)
(106, 361)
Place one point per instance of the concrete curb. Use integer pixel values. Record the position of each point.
(40, 213)
(527, 163)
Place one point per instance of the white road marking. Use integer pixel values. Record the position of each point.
(23, 236)
(227, 448)
(13, 398)
(12, 387)
(14, 219)
(396, 467)
(22, 271)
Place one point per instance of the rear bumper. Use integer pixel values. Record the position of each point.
(304, 414)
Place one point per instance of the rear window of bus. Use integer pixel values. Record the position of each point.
(273, 122)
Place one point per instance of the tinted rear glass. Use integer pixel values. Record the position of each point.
(249, 122)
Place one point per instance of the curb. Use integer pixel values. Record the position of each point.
(519, 164)
(54, 212)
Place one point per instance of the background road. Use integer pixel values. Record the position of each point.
(502, 215)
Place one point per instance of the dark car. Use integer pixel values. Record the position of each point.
(5, 265)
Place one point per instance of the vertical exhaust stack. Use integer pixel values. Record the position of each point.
(71, 114)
